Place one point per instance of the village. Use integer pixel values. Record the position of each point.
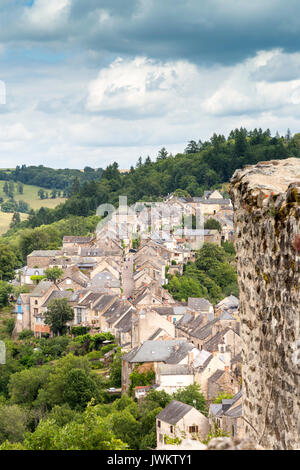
(115, 281)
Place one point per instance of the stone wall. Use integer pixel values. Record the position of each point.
(266, 199)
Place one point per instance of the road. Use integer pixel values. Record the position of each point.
(127, 276)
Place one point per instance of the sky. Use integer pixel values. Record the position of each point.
(90, 82)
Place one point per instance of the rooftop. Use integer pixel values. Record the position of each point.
(174, 412)
(168, 351)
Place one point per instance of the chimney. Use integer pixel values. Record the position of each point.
(190, 358)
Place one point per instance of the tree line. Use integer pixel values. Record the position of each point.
(50, 178)
(204, 166)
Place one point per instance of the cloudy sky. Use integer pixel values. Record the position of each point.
(89, 82)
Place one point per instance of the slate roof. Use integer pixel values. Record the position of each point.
(73, 273)
(174, 412)
(216, 375)
(124, 324)
(212, 344)
(104, 301)
(215, 409)
(163, 310)
(77, 239)
(168, 351)
(235, 412)
(41, 288)
(225, 408)
(226, 316)
(45, 253)
(90, 298)
(222, 202)
(57, 294)
(198, 304)
(205, 331)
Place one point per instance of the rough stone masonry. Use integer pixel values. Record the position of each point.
(266, 199)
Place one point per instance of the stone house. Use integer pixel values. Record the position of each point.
(197, 328)
(22, 311)
(76, 242)
(173, 312)
(141, 278)
(42, 258)
(173, 377)
(222, 381)
(73, 279)
(109, 246)
(25, 274)
(205, 365)
(200, 305)
(145, 296)
(39, 325)
(154, 353)
(223, 342)
(179, 420)
(36, 300)
(90, 308)
(212, 195)
(106, 264)
(228, 416)
(146, 322)
(105, 282)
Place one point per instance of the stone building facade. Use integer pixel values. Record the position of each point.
(266, 200)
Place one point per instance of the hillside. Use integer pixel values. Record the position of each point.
(50, 178)
(30, 196)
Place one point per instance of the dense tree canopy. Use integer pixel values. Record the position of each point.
(212, 275)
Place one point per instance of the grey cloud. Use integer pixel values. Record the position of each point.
(210, 31)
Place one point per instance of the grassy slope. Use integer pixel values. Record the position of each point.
(30, 196)
(5, 220)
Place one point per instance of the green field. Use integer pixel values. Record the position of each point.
(5, 220)
(31, 197)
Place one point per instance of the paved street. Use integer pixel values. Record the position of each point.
(127, 276)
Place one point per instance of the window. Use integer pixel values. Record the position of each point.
(158, 424)
(35, 311)
(161, 438)
(35, 302)
(232, 431)
(171, 429)
(193, 429)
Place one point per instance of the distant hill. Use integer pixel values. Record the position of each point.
(50, 178)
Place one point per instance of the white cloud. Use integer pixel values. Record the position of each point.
(14, 132)
(141, 86)
(70, 116)
(2, 92)
(247, 90)
(47, 14)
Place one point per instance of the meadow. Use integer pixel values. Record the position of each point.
(30, 195)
